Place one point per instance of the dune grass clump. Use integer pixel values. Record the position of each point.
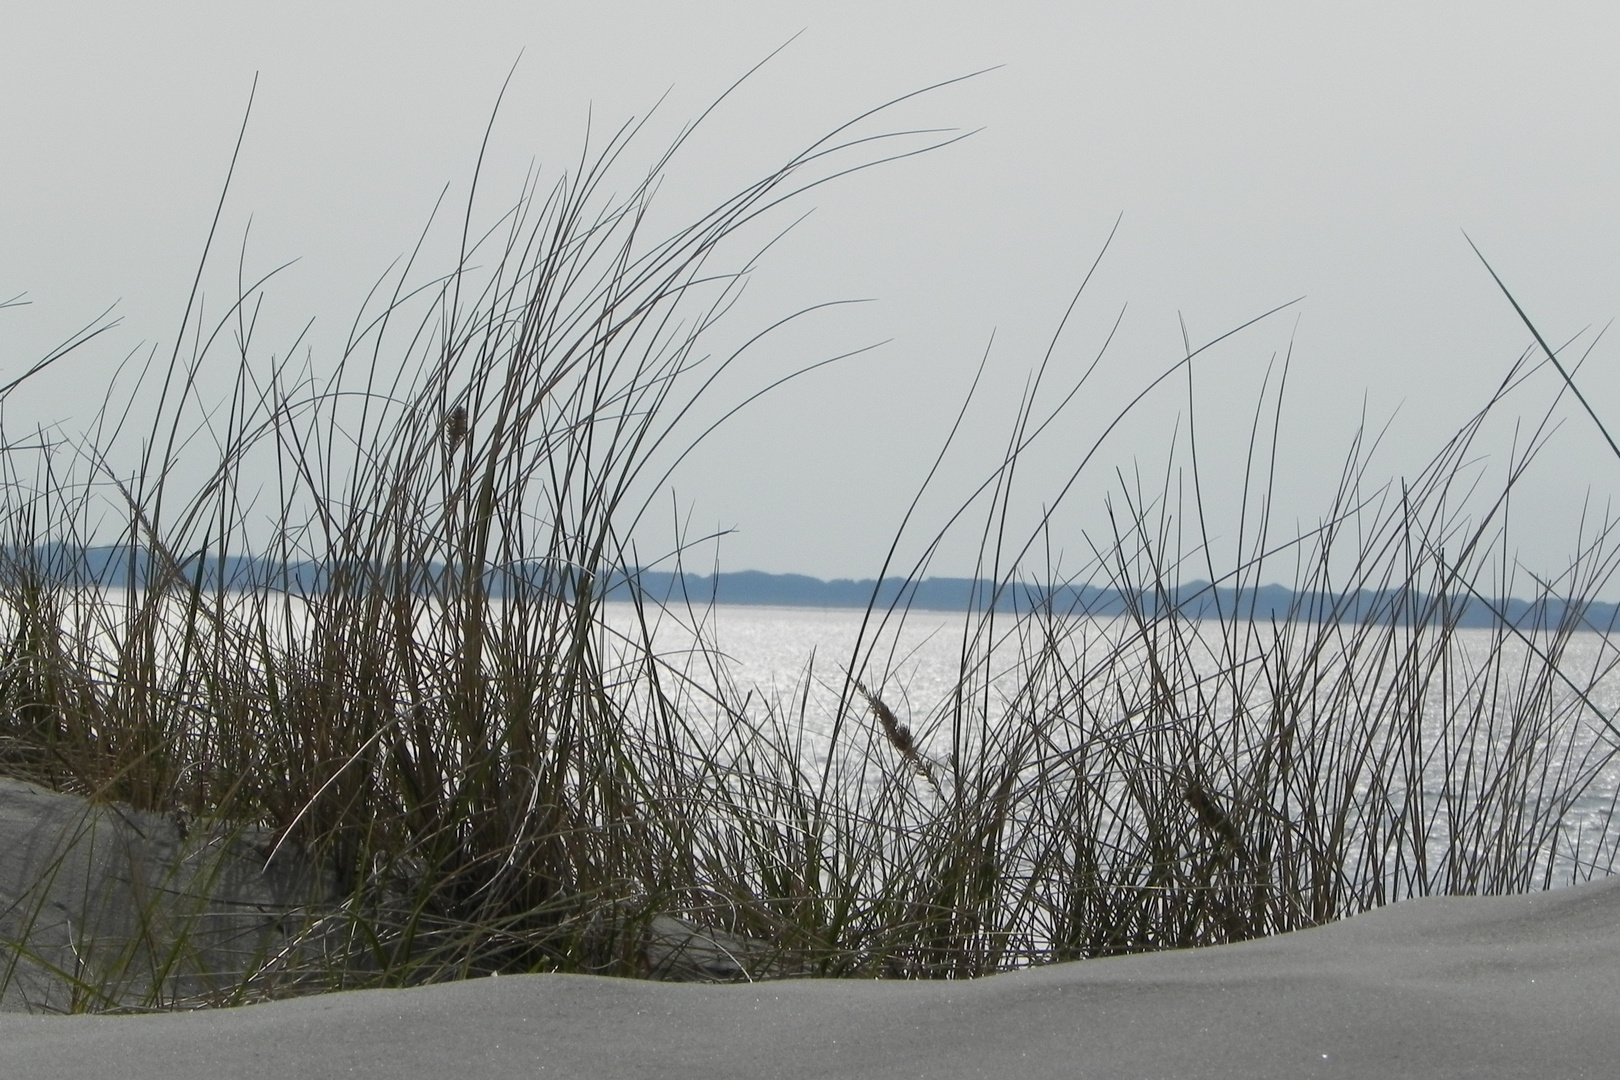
(408, 676)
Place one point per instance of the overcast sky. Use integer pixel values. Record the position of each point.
(1253, 153)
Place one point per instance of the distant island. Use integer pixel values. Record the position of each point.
(1194, 599)
(114, 566)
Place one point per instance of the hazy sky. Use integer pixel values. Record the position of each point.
(1253, 152)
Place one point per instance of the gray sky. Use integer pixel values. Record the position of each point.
(1258, 152)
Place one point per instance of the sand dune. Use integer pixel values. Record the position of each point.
(1518, 986)
(97, 889)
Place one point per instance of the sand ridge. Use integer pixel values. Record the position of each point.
(1503, 987)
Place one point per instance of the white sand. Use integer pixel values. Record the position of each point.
(1522, 986)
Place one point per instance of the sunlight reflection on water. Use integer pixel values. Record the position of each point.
(769, 650)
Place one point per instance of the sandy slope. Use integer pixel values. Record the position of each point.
(1522, 986)
(91, 889)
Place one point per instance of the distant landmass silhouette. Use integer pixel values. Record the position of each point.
(1195, 599)
(121, 566)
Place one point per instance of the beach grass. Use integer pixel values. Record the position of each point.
(409, 677)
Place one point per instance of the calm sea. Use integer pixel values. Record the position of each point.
(799, 656)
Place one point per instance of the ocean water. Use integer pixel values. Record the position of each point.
(914, 661)
(1483, 698)
(1494, 693)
